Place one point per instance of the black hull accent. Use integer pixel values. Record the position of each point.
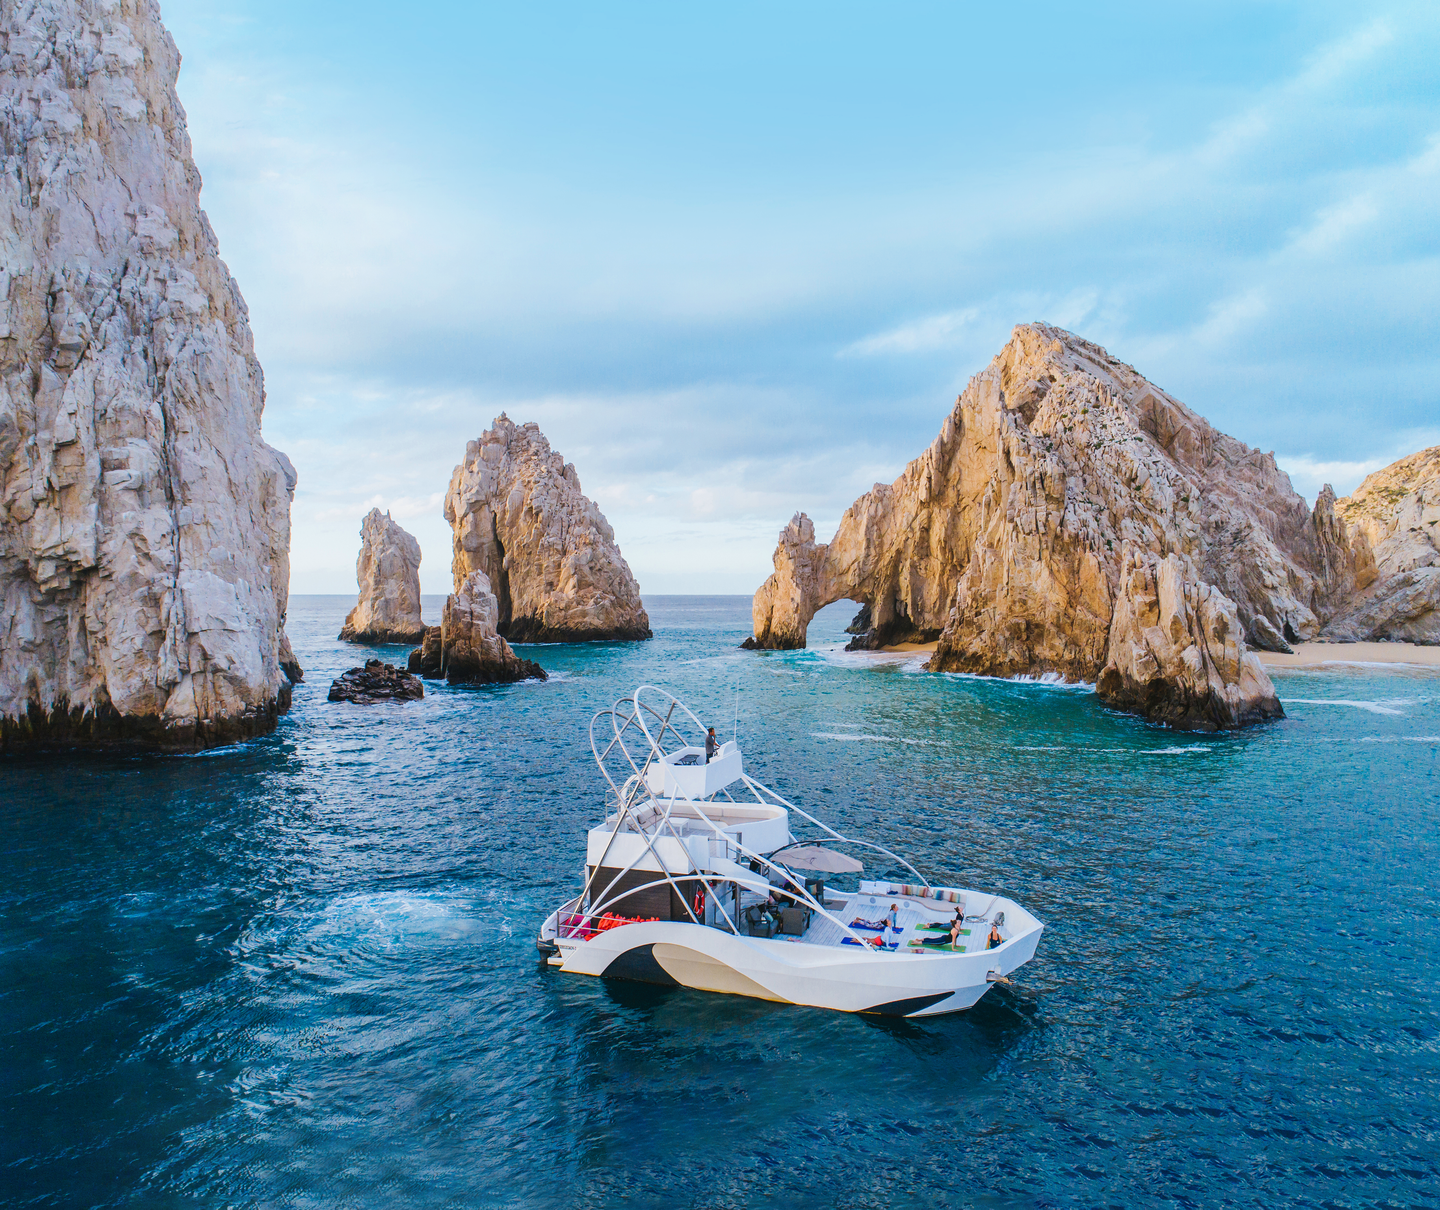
(903, 1008)
(639, 966)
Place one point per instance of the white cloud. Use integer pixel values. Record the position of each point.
(921, 335)
(1334, 223)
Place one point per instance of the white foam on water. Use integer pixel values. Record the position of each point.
(384, 921)
(1172, 750)
(1398, 739)
(882, 739)
(1382, 706)
(1042, 680)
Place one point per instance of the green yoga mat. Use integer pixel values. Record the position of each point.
(938, 928)
(932, 948)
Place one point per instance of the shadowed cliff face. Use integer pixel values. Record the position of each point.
(548, 553)
(1396, 514)
(1006, 538)
(144, 523)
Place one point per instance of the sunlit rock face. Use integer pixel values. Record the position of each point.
(465, 648)
(1175, 652)
(144, 523)
(1395, 517)
(388, 572)
(519, 516)
(1005, 541)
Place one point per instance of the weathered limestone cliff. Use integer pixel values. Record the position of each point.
(1395, 518)
(144, 523)
(1175, 653)
(519, 516)
(466, 648)
(1006, 540)
(388, 572)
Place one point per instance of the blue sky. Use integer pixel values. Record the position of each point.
(737, 260)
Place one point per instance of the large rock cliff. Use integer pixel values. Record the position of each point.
(144, 523)
(1007, 541)
(388, 572)
(519, 516)
(1395, 519)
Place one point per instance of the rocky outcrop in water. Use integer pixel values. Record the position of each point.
(1395, 517)
(519, 516)
(144, 523)
(376, 682)
(1006, 540)
(1175, 652)
(465, 648)
(388, 572)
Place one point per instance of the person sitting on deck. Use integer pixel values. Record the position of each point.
(994, 939)
(712, 745)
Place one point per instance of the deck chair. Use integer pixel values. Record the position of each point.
(758, 922)
(794, 921)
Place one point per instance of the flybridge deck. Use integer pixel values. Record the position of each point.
(695, 877)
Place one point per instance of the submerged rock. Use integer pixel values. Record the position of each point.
(519, 516)
(465, 648)
(376, 682)
(388, 572)
(144, 523)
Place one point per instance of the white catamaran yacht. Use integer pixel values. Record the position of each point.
(695, 878)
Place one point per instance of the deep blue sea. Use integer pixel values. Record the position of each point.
(300, 972)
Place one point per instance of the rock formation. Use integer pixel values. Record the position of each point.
(144, 523)
(376, 682)
(1007, 541)
(1175, 653)
(388, 572)
(465, 648)
(519, 516)
(1395, 517)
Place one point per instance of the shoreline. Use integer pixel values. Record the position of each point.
(1306, 655)
(1315, 655)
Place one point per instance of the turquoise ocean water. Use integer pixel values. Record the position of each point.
(301, 972)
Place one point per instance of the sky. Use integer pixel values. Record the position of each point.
(738, 260)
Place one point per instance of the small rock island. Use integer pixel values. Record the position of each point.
(465, 648)
(388, 572)
(547, 552)
(376, 682)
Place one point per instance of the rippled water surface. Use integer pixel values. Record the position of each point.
(301, 972)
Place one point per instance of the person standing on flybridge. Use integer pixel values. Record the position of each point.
(711, 745)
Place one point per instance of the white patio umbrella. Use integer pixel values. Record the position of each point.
(820, 860)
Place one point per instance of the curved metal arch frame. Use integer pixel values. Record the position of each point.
(626, 796)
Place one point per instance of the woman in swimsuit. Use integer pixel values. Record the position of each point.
(994, 938)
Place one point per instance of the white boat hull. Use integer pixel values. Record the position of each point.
(895, 984)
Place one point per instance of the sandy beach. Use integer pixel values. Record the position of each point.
(1307, 655)
(1311, 655)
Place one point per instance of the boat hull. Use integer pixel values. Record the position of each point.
(672, 953)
